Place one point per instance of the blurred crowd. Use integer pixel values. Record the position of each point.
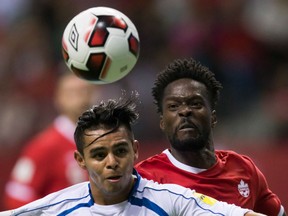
(245, 42)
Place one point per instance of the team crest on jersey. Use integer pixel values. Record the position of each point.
(243, 189)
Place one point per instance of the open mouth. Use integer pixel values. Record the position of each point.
(187, 127)
(114, 178)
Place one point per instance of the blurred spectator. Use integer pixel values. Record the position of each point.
(32, 177)
(235, 56)
(276, 104)
(12, 10)
(267, 20)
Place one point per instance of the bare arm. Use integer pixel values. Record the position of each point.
(251, 213)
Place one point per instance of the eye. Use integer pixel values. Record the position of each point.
(121, 152)
(98, 155)
(196, 104)
(172, 106)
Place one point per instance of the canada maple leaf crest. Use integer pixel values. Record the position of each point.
(243, 189)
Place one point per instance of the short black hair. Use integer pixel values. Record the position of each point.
(185, 68)
(109, 115)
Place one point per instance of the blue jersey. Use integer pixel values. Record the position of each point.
(146, 198)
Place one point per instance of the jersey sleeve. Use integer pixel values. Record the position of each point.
(184, 201)
(144, 171)
(266, 201)
(154, 168)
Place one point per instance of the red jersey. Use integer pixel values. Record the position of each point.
(234, 179)
(46, 165)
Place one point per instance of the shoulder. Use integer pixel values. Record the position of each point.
(43, 138)
(232, 156)
(150, 187)
(74, 192)
(239, 163)
(150, 167)
(57, 201)
(153, 160)
(47, 140)
(178, 200)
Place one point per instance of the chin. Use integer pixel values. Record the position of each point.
(190, 144)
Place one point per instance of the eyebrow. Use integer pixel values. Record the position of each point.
(91, 151)
(180, 98)
(117, 145)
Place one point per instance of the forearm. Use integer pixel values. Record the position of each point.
(251, 213)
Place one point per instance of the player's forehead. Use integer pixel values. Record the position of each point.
(106, 137)
(184, 88)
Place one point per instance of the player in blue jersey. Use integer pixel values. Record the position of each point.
(107, 150)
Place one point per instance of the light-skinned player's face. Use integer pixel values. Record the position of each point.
(109, 162)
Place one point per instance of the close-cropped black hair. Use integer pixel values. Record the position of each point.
(108, 115)
(185, 68)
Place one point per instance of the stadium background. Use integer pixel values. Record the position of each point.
(245, 42)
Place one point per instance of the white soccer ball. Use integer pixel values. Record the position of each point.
(100, 45)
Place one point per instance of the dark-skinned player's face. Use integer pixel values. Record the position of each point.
(187, 117)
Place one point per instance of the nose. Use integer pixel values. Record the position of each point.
(112, 162)
(185, 110)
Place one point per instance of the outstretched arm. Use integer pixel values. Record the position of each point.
(251, 213)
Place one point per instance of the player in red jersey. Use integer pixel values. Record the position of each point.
(186, 94)
(46, 163)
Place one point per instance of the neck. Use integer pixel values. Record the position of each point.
(203, 158)
(104, 197)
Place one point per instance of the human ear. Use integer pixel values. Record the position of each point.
(213, 119)
(162, 125)
(136, 149)
(79, 159)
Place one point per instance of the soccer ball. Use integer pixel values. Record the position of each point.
(100, 45)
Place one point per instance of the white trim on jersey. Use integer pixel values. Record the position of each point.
(65, 127)
(180, 165)
(282, 211)
(146, 198)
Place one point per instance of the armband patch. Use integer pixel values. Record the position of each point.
(206, 199)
